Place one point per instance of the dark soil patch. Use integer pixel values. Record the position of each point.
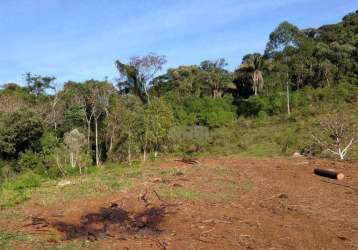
(109, 222)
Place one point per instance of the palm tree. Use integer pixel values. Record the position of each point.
(253, 64)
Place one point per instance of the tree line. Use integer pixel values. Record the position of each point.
(45, 128)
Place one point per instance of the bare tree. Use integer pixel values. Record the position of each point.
(100, 94)
(75, 141)
(338, 135)
(54, 100)
(138, 73)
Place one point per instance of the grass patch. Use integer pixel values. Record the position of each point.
(172, 172)
(74, 245)
(17, 190)
(262, 150)
(99, 180)
(11, 198)
(228, 189)
(247, 185)
(24, 181)
(106, 179)
(11, 213)
(179, 193)
(220, 171)
(7, 238)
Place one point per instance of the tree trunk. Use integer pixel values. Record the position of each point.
(145, 144)
(54, 118)
(72, 160)
(254, 80)
(288, 96)
(327, 80)
(144, 153)
(129, 153)
(96, 135)
(287, 88)
(89, 134)
(111, 140)
(147, 95)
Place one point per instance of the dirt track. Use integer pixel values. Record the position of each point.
(225, 203)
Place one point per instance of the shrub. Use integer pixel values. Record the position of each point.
(19, 131)
(23, 181)
(253, 105)
(30, 160)
(205, 111)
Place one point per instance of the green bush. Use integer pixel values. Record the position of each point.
(205, 111)
(23, 181)
(255, 104)
(19, 131)
(30, 160)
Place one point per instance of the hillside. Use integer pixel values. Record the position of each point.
(100, 164)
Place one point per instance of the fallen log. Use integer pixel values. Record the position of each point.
(332, 174)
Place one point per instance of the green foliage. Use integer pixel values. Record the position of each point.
(205, 111)
(23, 181)
(7, 237)
(19, 131)
(158, 119)
(18, 190)
(43, 160)
(30, 160)
(264, 105)
(74, 117)
(244, 111)
(284, 36)
(37, 85)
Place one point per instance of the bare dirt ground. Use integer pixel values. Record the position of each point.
(221, 203)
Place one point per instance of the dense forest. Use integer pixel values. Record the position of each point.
(274, 103)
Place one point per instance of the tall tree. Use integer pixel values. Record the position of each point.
(185, 80)
(253, 64)
(136, 76)
(37, 85)
(215, 77)
(282, 40)
(158, 119)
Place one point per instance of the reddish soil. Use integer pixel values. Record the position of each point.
(241, 203)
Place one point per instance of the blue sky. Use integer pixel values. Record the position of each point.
(81, 39)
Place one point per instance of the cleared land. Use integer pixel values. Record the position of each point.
(220, 203)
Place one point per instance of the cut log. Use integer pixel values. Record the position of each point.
(329, 173)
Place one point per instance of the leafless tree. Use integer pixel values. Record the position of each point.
(138, 73)
(54, 100)
(100, 107)
(75, 141)
(337, 135)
